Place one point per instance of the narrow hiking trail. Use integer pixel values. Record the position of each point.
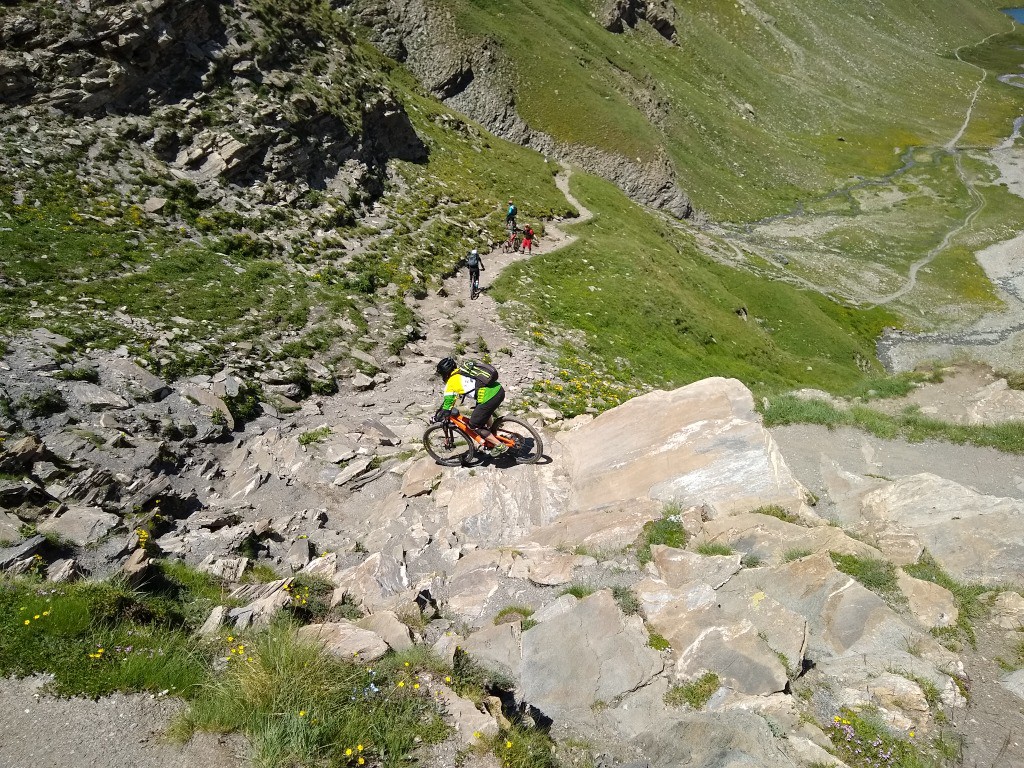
(951, 147)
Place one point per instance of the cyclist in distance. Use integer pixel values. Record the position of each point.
(528, 238)
(460, 385)
(510, 217)
(475, 263)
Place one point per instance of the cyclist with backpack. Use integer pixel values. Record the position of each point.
(475, 263)
(528, 238)
(481, 380)
(510, 217)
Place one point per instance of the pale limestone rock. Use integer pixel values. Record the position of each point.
(975, 538)
(702, 443)
(1014, 683)
(136, 567)
(345, 640)
(1007, 610)
(63, 570)
(139, 382)
(893, 691)
(771, 539)
(705, 637)
(213, 621)
(324, 566)
(677, 566)
(603, 530)
(420, 478)
(225, 568)
(589, 654)
(389, 628)
(298, 555)
(80, 525)
(562, 604)
(265, 601)
(929, 603)
(210, 402)
(470, 724)
(497, 646)
(371, 584)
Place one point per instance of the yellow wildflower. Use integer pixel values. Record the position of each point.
(28, 621)
(401, 683)
(348, 752)
(302, 713)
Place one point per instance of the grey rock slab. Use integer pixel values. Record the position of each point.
(96, 398)
(772, 539)
(1014, 683)
(702, 443)
(591, 653)
(63, 570)
(497, 647)
(707, 637)
(80, 525)
(975, 538)
(562, 604)
(11, 555)
(210, 401)
(1007, 610)
(389, 628)
(10, 528)
(298, 555)
(604, 530)
(677, 566)
(136, 380)
(420, 477)
(354, 468)
(345, 640)
(470, 723)
(929, 603)
(371, 583)
(213, 621)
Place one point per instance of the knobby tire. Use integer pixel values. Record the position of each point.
(528, 445)
(448, 446)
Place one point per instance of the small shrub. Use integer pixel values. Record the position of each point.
(969, 606)
(310, 597)
(42, 404)
(314, 436)
(81, 373)
(750, 560)
(711, 548)
(513, 613)
(521, 747)
(578, 590)
(668, 531)
(658, 642)
(696, 694)
(628, 602)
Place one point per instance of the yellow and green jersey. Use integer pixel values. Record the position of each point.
(461, 386)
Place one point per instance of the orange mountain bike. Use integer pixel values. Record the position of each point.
(454, 442)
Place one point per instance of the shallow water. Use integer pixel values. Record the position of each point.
(1017, 14)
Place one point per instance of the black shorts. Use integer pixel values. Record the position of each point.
(483, 411)
(474, 274)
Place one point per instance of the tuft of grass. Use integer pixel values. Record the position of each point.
(712, 548)
(299, 706)
(696, 694)
(523, 747)
(668, 531)
(314, 436)
(512, 613)
(877, 575)
(966, 596)
(774, 510)
(627, 600)
(751, 560)
(795, 554)
(656, 641)
(579, 590)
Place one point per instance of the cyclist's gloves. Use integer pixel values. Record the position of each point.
(440, 415)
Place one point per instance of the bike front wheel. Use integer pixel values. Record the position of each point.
(527, 446)
(448, 446)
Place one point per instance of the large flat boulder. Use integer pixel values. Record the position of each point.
(591, 653)
(345, 640)
(974, 537)
(80, 525)
(700, 444)
(772, 539)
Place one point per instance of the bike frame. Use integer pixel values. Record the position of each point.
(461, 423)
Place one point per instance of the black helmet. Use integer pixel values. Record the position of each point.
(446, 367)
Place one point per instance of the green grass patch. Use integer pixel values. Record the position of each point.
(579, 590)
(877, 575)
(774, 510)
(657, 642)
(627, 600)
(99, 637)
(668, 531)
(712, 548)
(513, 613)
(299, 706)
(910, 424)
(970, 609)
(314, 436)
(696, 694)
(796, 553)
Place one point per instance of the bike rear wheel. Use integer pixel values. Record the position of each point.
(448, 446)
(528, 447)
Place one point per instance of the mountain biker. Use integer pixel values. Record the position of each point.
(510, 217)
(459, 385)
(475, 263)
(528, 237)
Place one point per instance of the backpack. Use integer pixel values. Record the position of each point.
(486, 375)
(472, 259)
(512, 210)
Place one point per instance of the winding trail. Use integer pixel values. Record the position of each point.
(951, 147)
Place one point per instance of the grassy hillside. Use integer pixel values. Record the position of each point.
(635, 300)
(760, 104)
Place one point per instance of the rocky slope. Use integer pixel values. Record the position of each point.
(757, 590)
